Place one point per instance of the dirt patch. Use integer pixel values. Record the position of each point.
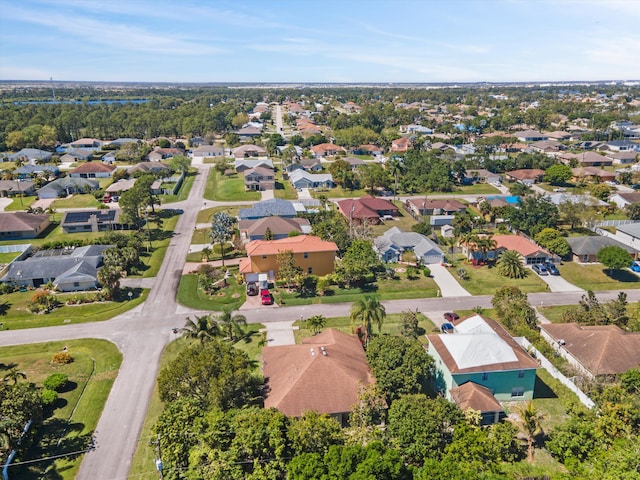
(235, 295)
(400, 270)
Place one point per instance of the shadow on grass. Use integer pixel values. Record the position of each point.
(622, 276)
(542, 390)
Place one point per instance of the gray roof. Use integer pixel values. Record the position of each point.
(558, 198)
(252, 163)
(399, 240)
(272, 207)
(591, 245)
(298, 175)
(29, 169)
(63, 183)
(31, 153)
(632, 229)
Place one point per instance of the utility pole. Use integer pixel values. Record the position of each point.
(159, 459)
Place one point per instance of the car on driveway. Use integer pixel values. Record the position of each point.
(540, 269)
(552, 269)
(265, 295)
(451, 316)
(446, 328)
(635, 266)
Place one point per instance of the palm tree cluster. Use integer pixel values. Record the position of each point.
(483, 244)
(226, 325)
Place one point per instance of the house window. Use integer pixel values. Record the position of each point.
(76, 284)
(521, 374)
(306, 255)
(264, 256)
(517, 392)
(310, 270)
(485, 376)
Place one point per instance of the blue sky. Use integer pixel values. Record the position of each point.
(320, 41)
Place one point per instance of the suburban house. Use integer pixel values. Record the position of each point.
(482, 351)
(249, 151)
(596, 351)
(308, 164)
(92, 170)
(242, 164)
(150, 167)
(530, 136)
(471, 396)
(11, 188)
(622, 158)
(93, 144)
(90, 221)
(354, 162)
(527, 176)
(367, 208)
(623, 200)
(259, 179)
(326, 150)
(323, 374)
(206, 151)
(30, 155)
(401, 144)
(394, 242)
(26, 171)
(585, 249)
(69, 271)
(629, 234)
(278, 226)
(581, 199)
(483, 175)
(419, 207)
(592, 174)
(311, 254)
(268, 208)
(530, 251)
(75, 155)
(122, 185)
(304, 179)
(67, 186)
(622, 146)
(162, 153)
(19, 225)
(586, 159)
(548, 147)
(367, 150)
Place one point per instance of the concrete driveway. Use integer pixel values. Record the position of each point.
(280, 333)
(4, 203)
(449, 286)
(557, 283)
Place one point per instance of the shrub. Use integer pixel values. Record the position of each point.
(462, 273)
(43, 302)
(56, 381)
(62, 358)
(426, 271)
(48, 397)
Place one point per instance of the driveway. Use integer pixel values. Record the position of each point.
(280, 333)
(449, 286)
(558, 284)
(304, 193)
(266, 195)
(4, 203)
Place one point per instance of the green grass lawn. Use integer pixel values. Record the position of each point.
(391, 326)
(92, 373)
(386, 289)
(485, 280)
(6, 258)
(228, 189)
(339, 192)
(183, 191)
(404, 222)
(594, 277)
(206, 215)
(191, 295)
(18, 317)
(554, 314)
(85, 200)
(160, 243)
(477, 188)
(20, 203)
(284, 189)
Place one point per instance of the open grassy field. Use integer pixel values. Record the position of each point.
(91, 375)
(486, 280)
(85, 200)
(184, 190)
(17, 316)
(228, 189)
(595, 277)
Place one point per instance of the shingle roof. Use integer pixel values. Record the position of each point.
(272, 207)
(277, 225)
(324, 374)
(590, 245)
(299, 244)
(297, 175)
(20, 221)
(93, 167)
(601, 349)
(62, 183)
(15, 186)
(476, 397)
(526, 174)
(407, 240)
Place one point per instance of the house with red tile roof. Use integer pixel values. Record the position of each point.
(528, 176)
(530, 251)
(312, 255)
(326, 150)
(323, 374)
(367, 208)
(401, 144)
(92, 170)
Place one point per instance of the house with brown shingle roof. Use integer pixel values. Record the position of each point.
(259, 179)
(481, 351)
(367, 208)
(471, 396)
(326, 150)
(528, 176)
(592, 174)
(19, 225)
(323, 374)
(279, 227)
(401, 144)
(586, 159)
(424, 206)
(312, 255)
(596, 350)
(92, 170)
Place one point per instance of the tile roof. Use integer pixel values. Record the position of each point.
(93, 167)
(323, 374)
(601, 349)
(470, 395)
(518, 243)
(299, 244)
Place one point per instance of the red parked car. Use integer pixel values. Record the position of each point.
(451, 316)
(265, 295)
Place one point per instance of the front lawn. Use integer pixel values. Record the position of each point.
(404, 222)
(486, 280)
(284, 189)
(17, 316)
(594, 277)
(91, 374)
(183, 191)
(206, 215)
(228, 189)
(20, 203)
(339, 192)
(191, 294)
(477, 188)
(85, 200)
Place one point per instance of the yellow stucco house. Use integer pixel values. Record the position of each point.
(313, 255)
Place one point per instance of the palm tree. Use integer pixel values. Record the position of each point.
(14, 376)
(317, 323)
(530, 419)
(510, 265)
(396, 167)
(204, 328)
(364, 312)
(486, 244)
(232, 326)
